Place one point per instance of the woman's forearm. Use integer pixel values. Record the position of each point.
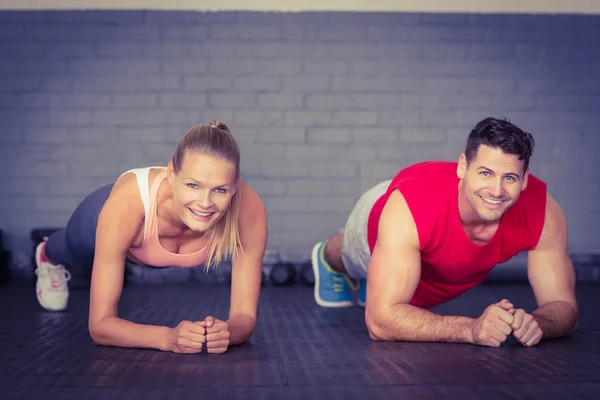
(114, 331)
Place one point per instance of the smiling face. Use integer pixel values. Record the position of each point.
(202, 189)
(491, 183)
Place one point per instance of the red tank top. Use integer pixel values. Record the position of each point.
(451, 263)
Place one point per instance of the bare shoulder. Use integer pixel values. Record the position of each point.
(554, 234)
(123, 213)
(397, 226)
(252, 207)
(125, 195)
(252, 222)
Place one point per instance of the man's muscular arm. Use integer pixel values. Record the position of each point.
(552, 277)
(393, 276)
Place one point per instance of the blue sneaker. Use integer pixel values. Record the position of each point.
(362, 293)
(331, 287)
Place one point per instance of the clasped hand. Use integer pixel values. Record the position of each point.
(500, 320)
(191, 337)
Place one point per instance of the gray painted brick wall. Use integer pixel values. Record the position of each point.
(324, 105)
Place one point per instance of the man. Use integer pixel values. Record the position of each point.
(436, 230)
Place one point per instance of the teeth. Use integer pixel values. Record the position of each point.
(496, 202)
(201, 214)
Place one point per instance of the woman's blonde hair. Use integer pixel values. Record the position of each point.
(216, 140)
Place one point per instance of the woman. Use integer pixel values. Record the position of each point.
(195, 211)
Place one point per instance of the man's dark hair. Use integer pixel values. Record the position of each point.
(500, 134)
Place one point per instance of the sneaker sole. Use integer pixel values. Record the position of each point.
(318, 299)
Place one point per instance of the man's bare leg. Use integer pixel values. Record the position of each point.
(333, 252)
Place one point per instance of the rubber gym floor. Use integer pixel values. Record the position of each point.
(299, 351)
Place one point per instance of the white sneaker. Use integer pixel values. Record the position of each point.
(51, 287)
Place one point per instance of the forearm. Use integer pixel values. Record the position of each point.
(113, 331)
(556, 319)
(241, 328)
(405, 322)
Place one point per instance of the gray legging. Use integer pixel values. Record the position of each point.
(75, 245)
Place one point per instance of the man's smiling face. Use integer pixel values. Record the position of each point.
(492, 181)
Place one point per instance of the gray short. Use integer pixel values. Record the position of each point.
(355, 249)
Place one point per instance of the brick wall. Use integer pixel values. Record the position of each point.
(324, 105)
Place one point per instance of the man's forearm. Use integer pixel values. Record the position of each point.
(241, 328)
(556, 319)
(405, 322)
(113, 331)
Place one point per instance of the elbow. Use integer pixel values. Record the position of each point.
(242, 330)
(375, 326)
(95, 335)
(241, 340)
(95, 331)
(574, 324)
(383, 324)
(573, 318)
(568, 328)
(244, 337)
(374, 335)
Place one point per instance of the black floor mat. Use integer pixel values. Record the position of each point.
(299, 350)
